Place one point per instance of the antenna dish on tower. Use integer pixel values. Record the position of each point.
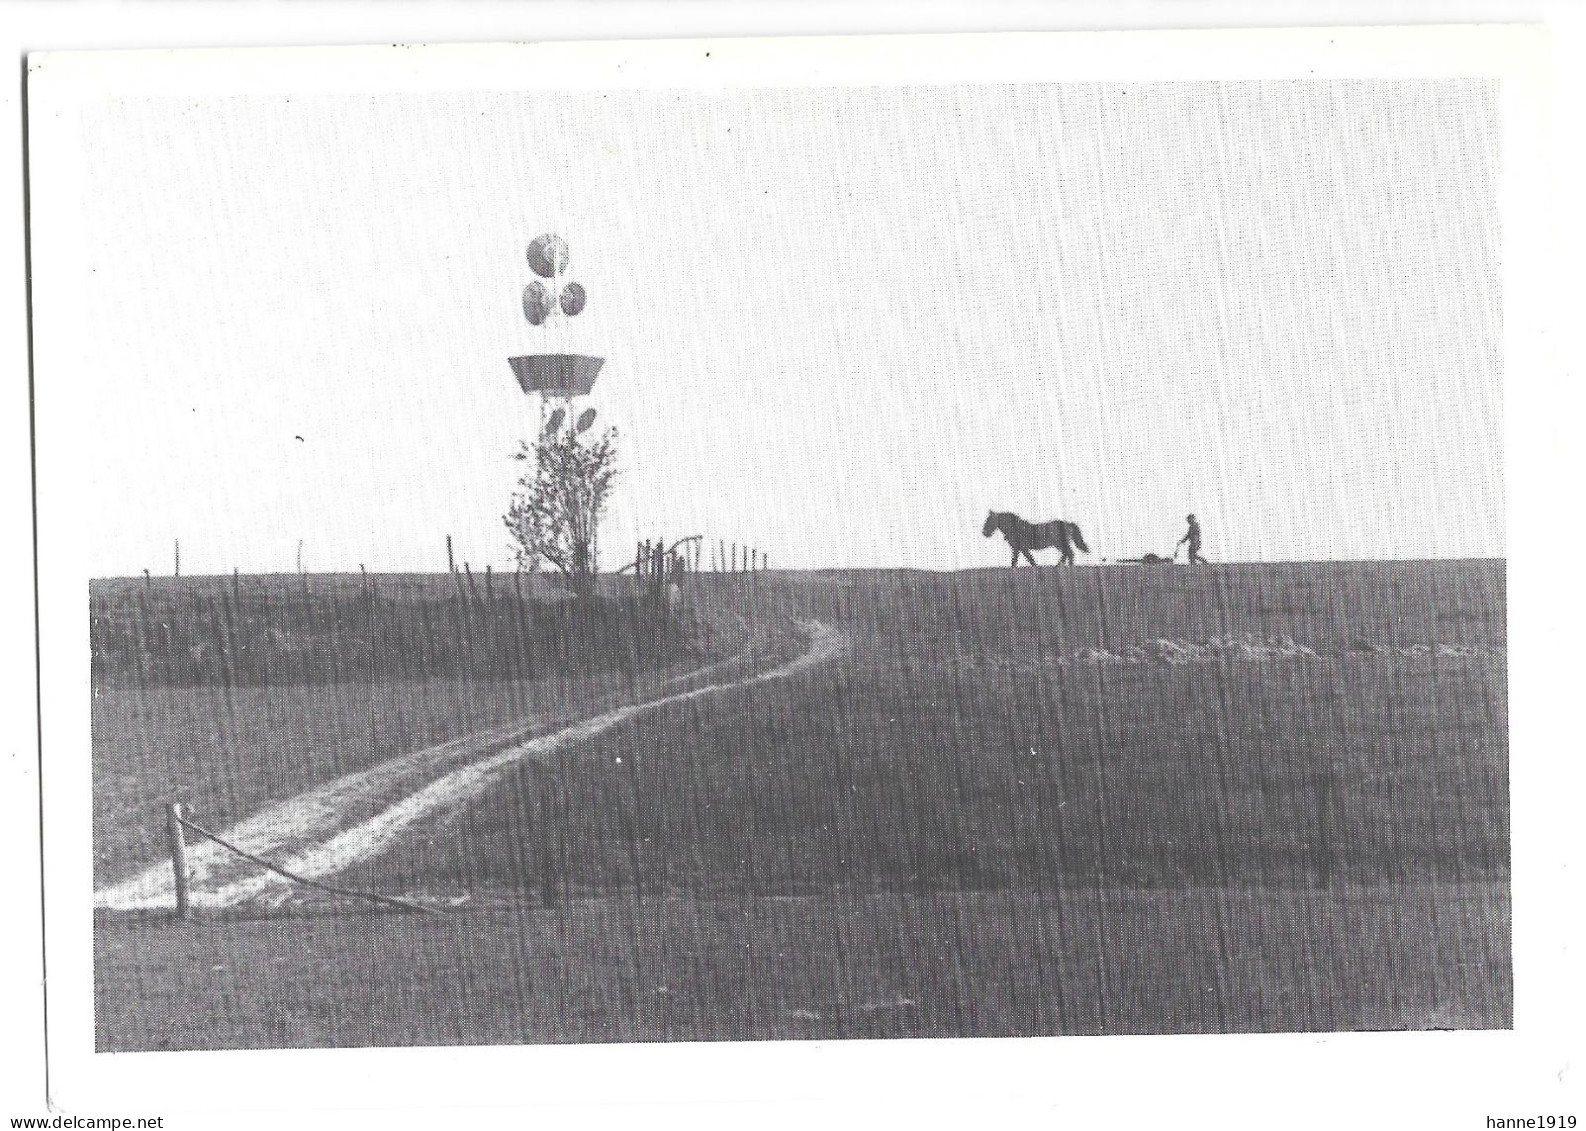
(548, 255)
(536, 303)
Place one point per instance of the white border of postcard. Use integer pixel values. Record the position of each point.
(1299, 1080)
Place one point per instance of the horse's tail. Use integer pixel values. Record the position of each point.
(1079, 539)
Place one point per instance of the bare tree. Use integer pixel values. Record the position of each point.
(559, 502)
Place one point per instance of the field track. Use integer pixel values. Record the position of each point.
(314, 826)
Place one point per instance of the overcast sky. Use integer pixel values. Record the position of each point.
(840, 324)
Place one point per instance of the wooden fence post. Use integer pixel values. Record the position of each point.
(451, 565)
(178, 841)
(178, 570)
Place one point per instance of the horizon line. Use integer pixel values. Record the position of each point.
(557, 576)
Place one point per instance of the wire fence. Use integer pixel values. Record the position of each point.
(692, 554)
(182, 880)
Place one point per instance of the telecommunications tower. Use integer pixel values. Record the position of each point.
(560, 380)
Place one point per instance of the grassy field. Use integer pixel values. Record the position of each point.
(1130, 799)
(229, 752)
(284, 630)
(228, 694)
(973, 964)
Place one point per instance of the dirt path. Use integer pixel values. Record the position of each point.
(326, 830)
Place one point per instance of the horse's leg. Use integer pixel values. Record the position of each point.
(1030, 559)
(1015, 562)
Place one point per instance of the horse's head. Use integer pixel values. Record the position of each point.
(991, 524)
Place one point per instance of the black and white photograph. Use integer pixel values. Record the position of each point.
(574, 545)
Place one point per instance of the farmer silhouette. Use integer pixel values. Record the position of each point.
(1193, 537)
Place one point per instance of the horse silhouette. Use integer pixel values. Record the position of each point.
(1026, 536)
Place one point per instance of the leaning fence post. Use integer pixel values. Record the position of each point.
(173, 833)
